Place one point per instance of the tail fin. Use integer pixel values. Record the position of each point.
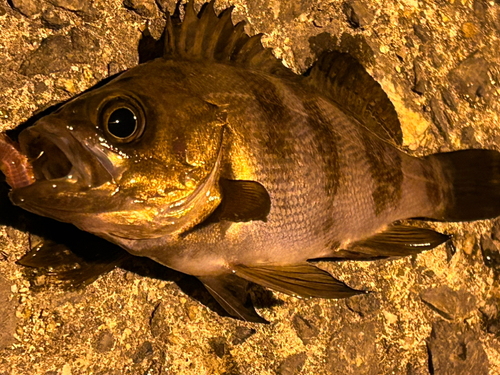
(473, 192)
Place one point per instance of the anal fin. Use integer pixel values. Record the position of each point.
(231, 292)
(301, 280)
(395, 241)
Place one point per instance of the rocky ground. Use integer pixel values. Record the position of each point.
(435, 313)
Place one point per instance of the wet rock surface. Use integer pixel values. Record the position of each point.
(105, 342)
(52, 56)
(353, 350)
(83, 8)
(491, 316)
(292, 364)
(142, 352)
(54, 19)
(57, 53)
(428, 313)
(491, 253)
(420, 78)
(7, 315)
(449, 303)
(305, 329)
(358, 13)
(438, 117)
(468, 137)
(241, 334)
(364, 305)
(470, 79)
(456, 350)
(144, 8)
(28, 8)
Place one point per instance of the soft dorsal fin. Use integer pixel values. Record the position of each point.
(344, 80)
(206, 36)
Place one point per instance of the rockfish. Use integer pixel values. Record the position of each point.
(216, 160)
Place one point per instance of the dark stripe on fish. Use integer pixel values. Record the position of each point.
(387, 174)
(326, 140)
(432, 188)
(277, 139)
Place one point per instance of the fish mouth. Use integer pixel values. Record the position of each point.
(65, 173)
(49, 161)
(57, 157)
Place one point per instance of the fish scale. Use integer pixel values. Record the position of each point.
(276, 176)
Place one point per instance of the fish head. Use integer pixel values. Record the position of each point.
(136, 158)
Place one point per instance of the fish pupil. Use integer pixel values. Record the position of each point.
(122, 123)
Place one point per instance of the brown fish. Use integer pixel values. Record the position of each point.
(217, 161)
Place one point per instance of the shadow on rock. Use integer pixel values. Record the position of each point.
(62, 254)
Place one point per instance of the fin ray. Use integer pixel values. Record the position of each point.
(187, 29)
(471, 187)
(344, 80)
(303, 280)
(224, 26)
(231, 293)
(208, 36)
(394, 241)
(242, 201)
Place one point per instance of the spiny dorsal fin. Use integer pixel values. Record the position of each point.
(207, 36)
(344, 80)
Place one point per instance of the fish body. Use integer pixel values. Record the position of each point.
(217, 161)
(330, 181)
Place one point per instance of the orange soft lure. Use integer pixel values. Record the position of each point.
(18, 171)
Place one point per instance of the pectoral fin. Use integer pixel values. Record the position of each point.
(63, 266)
(232, 294)
(395, 241)
(302, 280)
(241, 201)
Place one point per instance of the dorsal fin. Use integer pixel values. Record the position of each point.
(206, 36)
(344, 80)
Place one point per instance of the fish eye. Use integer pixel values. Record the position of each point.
(122, 123)
(122, 120)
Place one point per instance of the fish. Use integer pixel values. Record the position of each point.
(214, 159)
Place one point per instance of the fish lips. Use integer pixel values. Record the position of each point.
(62, 166)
